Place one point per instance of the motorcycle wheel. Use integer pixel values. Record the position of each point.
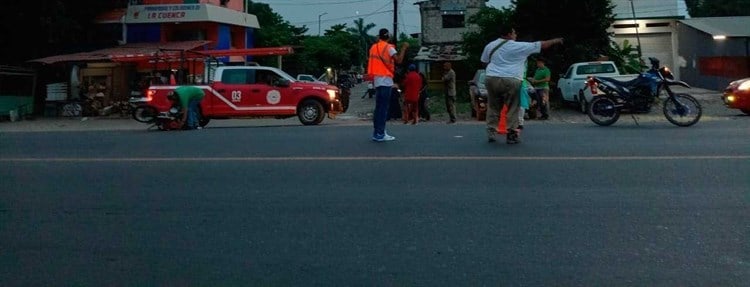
(603, 112)
(145, 114)
(682, 110)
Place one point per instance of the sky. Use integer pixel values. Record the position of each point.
(380, 12)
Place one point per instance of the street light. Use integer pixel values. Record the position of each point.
(324, 13)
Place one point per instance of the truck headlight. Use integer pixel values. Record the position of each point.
(731, 98)
(331, 94)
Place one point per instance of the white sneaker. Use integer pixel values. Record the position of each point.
(388, 138)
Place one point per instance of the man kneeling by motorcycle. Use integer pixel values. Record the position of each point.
(189, 98)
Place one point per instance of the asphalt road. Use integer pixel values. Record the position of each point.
(573, 205)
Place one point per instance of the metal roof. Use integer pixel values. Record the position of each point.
(735, 26)
(121, 52)
(440, 52)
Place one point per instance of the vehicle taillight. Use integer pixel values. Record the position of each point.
(592, 85)
(150, 95)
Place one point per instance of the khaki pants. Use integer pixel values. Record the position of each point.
(502, 91)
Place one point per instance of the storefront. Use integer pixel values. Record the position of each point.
(161, 43)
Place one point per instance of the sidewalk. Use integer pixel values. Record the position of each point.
(359, 113)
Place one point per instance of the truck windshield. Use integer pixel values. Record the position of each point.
(595, 69)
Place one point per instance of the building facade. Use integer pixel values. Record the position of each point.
(714, 51)
(652, 24)
(443, 24)
(157, 39)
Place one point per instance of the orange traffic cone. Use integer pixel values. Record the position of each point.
(502, 124)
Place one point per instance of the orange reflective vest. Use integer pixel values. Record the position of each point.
(381, 63)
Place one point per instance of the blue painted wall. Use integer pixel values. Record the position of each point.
(144, 33)
(224, 40)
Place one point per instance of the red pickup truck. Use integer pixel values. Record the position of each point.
(258, 92)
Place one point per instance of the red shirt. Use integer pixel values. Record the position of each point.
(412, 86)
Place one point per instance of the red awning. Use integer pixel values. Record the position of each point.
(175, 55)
(125, 53)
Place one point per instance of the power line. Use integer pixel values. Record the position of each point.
(297, 3)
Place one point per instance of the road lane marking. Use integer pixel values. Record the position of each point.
(377, 158)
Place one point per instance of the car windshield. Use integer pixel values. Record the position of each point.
(595, 69)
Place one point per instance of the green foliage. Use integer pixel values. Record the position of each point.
(625, 57)
(486, 20)
(718, 8)
(275, 32)
(362, 32)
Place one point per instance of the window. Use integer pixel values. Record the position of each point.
(238, 76)
(621, 26)
(567, 74)
(595, 69)
(266, 77)
(453, 21)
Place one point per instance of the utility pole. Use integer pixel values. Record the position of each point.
(394, 39)
(637, 35)
(320, 15)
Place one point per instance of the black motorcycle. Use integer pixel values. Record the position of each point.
(638, 96)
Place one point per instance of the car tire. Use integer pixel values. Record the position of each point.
(310, 112)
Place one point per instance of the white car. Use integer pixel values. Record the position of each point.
(309, 78)
(572, 85)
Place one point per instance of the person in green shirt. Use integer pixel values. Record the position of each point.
(190, 98)
(540, 81)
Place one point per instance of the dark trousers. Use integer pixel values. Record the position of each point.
(380, 116)
(423, 112)
(395, 106)
(192, 118)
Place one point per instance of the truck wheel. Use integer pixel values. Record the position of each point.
(310, 112)
(746, 111)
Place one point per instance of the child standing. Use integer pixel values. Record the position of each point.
(412, 87)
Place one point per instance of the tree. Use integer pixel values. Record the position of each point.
(275, 31)
(626, 57)
(583, 24)
(487, 20)
(718, 8)
(362, 32)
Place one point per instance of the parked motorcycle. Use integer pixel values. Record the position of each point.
(141, 109)
(638, 96)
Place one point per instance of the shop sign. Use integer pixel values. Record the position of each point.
(165, 13)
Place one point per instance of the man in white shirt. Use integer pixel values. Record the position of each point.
(506, 62)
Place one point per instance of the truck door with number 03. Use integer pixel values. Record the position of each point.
(234, 92)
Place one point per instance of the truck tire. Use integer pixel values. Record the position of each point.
(310, 112)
